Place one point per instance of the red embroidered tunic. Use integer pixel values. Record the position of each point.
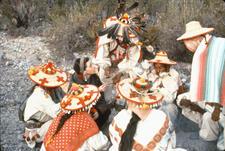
(75, 131)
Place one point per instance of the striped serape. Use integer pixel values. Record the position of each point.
(207, 75)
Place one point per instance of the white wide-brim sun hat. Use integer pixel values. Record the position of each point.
(194, 29)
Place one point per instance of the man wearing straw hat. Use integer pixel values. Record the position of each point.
(140, 127)
(167, 81)
(207, 81)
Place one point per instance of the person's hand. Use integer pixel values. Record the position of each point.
(216, 114)
(194, 107)
(185, 102)
(102, 87)
(213, 104)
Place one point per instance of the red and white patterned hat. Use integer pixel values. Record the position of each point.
(161, 57)
(137, 92)
(47, 75)
(80, 98)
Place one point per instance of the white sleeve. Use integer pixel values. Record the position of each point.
(98, 142)
(50, 108)
(45, 104)
(169, 89)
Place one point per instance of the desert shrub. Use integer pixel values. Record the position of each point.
(22, 13)
(75, 25)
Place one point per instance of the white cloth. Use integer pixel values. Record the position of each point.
(170, 82)
(97, 142)
(40, 101)
(145, 132)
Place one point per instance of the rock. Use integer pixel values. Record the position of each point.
(2, 54)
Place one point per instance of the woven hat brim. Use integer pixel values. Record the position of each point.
(169, 62)
(75, 102)
(196, 33)
(54, 80)
(124, 89)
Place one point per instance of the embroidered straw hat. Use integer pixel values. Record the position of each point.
(161, 57)
(194, 29)
(47, 75)
(137, 92)
(80, 98)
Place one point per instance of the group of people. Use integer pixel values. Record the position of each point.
(71, 110)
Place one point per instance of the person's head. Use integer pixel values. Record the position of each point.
(71, 102)
(194, 34)
(161, 62)
(159, 68)
(193, 43)
(140, 102)
(84, 66)
(80, 65)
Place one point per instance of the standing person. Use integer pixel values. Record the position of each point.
(207, 80)
(85, 73)
(42, 104)
(140, 127)
(119, 42)
(167, 81)
(74, 129)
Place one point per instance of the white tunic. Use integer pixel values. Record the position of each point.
(40, 101)
(152, 133)
(166, 83)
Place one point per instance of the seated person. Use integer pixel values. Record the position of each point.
(42, 104)
(166, 81)
(140, 127)
(85, 73)
(209, 116)
(74, 129)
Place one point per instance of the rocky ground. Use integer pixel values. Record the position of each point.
(17, 54)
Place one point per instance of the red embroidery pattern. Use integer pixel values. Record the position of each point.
(60, 79)
(156, 139)
(43, 81)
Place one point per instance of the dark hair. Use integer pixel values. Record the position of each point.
(63, 119)
(56, 93)
(31, 91)
(127, 138)
(77, 67)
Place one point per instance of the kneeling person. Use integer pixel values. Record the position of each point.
(74, 128)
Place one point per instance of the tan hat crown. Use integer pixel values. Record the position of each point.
(162, 57)
(193, 26)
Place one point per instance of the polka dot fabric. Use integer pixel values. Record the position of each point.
(72, 135)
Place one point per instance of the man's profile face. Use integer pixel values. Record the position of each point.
(192, 43)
